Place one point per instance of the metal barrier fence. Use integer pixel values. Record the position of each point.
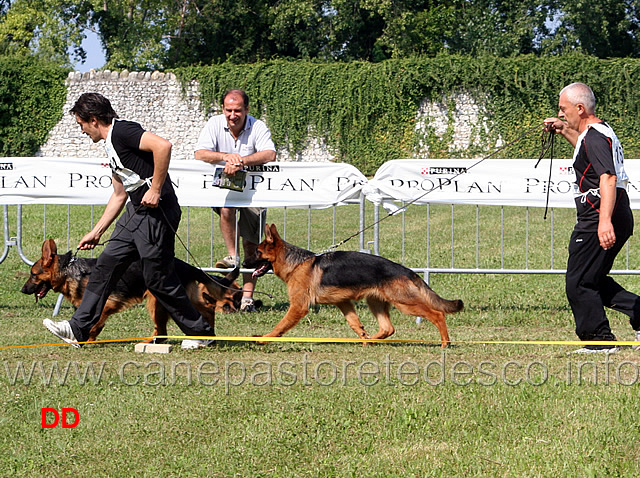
(432, 238)
(27, 244)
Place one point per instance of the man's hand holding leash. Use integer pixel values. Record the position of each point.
(558, 126)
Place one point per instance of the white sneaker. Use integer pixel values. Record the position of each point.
(61, 330)
(188, 344)
(228, 262)
(248, 305)
(586, 350)
(637, 339)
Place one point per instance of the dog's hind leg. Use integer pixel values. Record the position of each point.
(380, 310)
(436, 317)
(97, 328)
(353, 320)
(110, 308)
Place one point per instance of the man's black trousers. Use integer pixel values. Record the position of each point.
(147, 235)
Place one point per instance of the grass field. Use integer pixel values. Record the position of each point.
(324, 409)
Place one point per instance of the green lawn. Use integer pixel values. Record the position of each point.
(326, 409)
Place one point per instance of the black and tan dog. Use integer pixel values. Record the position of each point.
(344, 276)
(69, 276)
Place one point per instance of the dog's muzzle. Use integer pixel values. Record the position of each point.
(261, 267)
(39, 290)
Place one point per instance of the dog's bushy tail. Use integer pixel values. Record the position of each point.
(443, 305)
(451, 306)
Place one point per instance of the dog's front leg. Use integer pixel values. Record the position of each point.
(160, 318)
(297, 310)
(353, 319)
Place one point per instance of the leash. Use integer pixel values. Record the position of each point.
(75, 254)
(413, 201)
(233, 289)
(548, 141)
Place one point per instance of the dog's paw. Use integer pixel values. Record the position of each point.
(261, 342)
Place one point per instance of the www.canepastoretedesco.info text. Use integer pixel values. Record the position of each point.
(308, 371)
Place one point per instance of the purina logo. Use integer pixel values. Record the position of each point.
(6, 166)
(442, 170)
(565, 170)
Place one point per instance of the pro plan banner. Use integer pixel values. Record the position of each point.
(508, 182)
(88, 181)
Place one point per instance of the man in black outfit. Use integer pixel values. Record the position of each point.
(139, 162)
(604, 219)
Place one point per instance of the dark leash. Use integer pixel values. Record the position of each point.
(112, 238)
(547, 139)
(209, 278)
(413, 201)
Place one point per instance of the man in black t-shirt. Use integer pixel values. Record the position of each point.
(604, 219)
(139, 162)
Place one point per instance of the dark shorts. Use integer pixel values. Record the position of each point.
(251, 221)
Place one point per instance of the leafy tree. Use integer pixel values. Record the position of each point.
(132, 31)
(48, 28)
(414, 27)
(212, 31)
(355, 30)
(161, 34)
(299, 29)
(604, 28)
(501, 28)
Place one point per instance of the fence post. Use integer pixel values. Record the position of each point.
(19, 237)
(376, 229)
(5, 252)
(362, 221)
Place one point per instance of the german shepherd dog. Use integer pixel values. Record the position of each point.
(69, 276)
(344, 276)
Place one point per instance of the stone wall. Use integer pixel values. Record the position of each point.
(157, 101)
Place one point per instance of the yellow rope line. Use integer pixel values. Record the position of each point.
(340, 340)
(57, 344)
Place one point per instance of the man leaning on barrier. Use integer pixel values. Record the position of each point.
(139, 163)
(235, 140)
(604, 219)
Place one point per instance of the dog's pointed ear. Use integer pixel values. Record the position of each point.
(274, 232)
(267, 233)
(49, 251)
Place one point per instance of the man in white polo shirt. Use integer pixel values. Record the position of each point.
(236, 140)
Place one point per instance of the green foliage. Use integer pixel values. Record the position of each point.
(215, 31)
(366, 112)
(50, 29)
(32, 95)
(161, 34)
(604, 28)
(133, 32)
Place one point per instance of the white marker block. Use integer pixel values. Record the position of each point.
(153, 348)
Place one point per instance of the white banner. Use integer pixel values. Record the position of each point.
(508, 182)
(88, 181)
